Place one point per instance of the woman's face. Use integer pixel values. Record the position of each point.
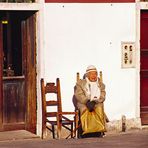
(92, 76)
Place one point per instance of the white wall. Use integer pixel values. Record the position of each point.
(77, 35)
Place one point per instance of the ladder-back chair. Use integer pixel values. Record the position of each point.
(59, 119)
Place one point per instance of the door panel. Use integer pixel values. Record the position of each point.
(144, 68)
(13, 81)
(14, 100)
(144, 30)
(144, 90)
(144, 60)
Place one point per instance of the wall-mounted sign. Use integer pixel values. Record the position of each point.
(128, 54)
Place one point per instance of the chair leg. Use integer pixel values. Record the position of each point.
(59, 127)
(72, 130)
(77, 124)
(80, 131)
(53, 133)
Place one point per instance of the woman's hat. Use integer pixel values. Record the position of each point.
(91, 68)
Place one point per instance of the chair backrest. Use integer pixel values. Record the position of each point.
(50, 88)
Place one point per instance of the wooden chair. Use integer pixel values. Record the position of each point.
(59, 119)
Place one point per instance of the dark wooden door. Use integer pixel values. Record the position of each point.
(18, 71)
(29, 48)
(144, 68)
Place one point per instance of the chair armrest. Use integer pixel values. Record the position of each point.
(68, 113)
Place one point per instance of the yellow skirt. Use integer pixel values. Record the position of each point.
(93, 121)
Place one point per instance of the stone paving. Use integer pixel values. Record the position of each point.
(129, 139)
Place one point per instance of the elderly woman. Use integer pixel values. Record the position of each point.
(90, 95)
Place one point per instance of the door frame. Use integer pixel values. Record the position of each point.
(1, 68)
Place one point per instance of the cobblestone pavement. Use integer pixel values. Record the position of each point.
(130, 139)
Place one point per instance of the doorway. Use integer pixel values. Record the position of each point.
(144, 67)
(18, 70)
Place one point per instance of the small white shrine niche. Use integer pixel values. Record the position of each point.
(128, 54)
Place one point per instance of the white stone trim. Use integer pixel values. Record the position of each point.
(20, 6)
